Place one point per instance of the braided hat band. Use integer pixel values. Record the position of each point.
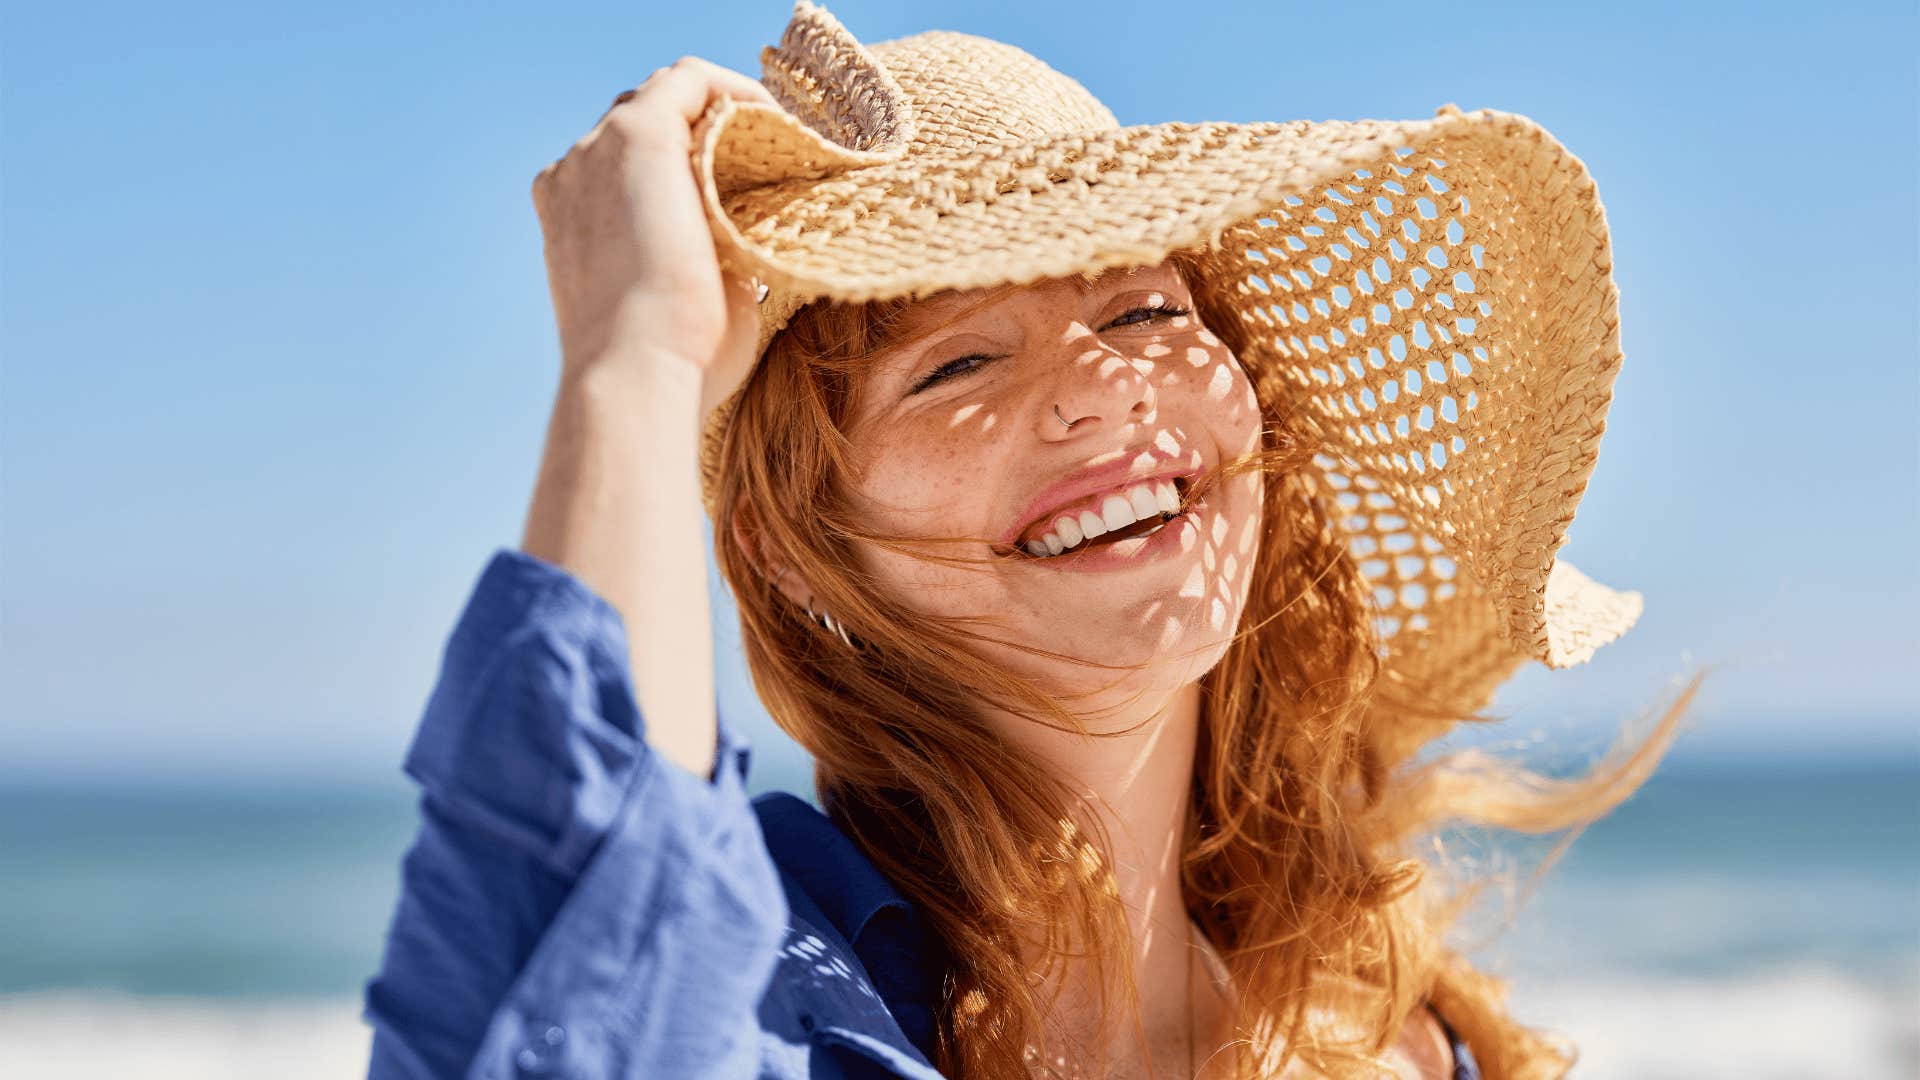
(1434, 299)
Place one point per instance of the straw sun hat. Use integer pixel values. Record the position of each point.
(1433, 299)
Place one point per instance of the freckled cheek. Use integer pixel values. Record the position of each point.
(1218, 388)
(929, 481)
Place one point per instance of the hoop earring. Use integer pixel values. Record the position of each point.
(833, 625)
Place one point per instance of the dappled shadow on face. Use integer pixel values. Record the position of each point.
(1054, 398)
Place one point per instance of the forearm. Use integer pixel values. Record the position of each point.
(617, 504)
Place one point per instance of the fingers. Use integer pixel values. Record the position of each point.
(691, 84)
(625, 96)
(660, 112)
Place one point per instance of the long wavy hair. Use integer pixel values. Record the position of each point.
(1311, 854)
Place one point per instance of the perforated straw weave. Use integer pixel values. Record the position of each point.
(1434, 298)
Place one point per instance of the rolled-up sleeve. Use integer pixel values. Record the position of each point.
(572, 903)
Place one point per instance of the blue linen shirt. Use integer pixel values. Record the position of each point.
(575, 905)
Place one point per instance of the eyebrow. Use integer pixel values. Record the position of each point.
(1088, 280)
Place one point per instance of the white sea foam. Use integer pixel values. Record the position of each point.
(1803, 1021)
(166, 1038)
(1799, 1022)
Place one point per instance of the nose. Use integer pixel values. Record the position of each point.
(1094, 387)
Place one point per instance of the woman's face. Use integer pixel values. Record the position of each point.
(1059, 416)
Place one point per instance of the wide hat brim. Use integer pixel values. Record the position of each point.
(1432, 298)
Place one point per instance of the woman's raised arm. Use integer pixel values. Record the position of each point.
(652, 334)
(571, 904)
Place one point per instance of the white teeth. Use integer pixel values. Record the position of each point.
(1138, 503)
(1145, 503)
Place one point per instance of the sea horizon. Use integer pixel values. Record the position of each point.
(1734, 918)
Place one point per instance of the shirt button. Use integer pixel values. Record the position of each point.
(806, 1021)
(536, 1058)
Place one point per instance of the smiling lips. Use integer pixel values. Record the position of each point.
(1133, 510)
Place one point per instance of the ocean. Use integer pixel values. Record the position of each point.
(1744, 919)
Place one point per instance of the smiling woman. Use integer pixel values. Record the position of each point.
(955, 487)
(1171, 744)
(1114, 514)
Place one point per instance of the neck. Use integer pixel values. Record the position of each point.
(1138, 786)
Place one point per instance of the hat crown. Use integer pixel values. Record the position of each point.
(966, 91)
(933, 92)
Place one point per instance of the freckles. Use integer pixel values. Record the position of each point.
(1166, 443)
(1206, 338)
(1199, 356)
(1157, 350)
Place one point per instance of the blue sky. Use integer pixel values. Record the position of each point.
(277, 350)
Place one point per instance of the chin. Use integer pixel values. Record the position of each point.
(1166, 637)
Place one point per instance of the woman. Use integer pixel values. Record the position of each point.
(1072, 533)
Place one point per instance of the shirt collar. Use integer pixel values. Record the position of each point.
(837, 874)
(884, 928)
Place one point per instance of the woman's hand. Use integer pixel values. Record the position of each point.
(651, 337)
(630, 257)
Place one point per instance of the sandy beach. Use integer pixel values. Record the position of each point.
(1791, 1024)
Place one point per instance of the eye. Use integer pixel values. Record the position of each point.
(959, 365)
(1136, 316)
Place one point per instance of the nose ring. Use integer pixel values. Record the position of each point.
(1064, 422)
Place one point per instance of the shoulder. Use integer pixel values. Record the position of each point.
(1423, 1049)
(1426, 1046)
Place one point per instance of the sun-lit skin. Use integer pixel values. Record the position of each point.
(965, 457)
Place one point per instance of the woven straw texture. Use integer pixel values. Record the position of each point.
(1433, 298)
